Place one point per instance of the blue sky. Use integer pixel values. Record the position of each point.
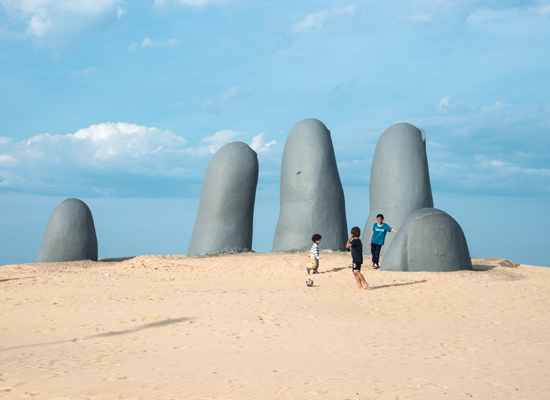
(123, 103)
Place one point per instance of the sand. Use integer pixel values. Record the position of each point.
(246, 326)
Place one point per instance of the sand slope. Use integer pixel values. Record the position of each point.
(247, 327)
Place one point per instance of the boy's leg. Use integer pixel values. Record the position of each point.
(375, 251)
(359, 276)
(356, 276)
(362, 281)
(313, 264)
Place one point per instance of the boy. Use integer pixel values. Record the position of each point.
(314, 254)
(357, 256)
(377, 238)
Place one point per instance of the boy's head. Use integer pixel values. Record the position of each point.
(316, 238)
(356, 232)
(380, 218)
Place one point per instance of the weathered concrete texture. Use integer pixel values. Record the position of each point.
(312, 198)
(399, 178)
(429, 240)
(70, 234)
(226, 209)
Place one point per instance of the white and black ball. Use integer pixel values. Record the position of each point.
(309, 283)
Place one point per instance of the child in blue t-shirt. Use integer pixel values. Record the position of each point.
(377, 238)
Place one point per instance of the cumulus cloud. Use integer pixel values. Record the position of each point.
(259, 143)
(216, 141)
(148, 43)
(50, 21)
(319, 19)
(102, 143)
(107, 158)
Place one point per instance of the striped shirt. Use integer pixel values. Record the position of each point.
(314, 252)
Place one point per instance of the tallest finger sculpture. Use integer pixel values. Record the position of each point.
(312, 198)
(399, 178)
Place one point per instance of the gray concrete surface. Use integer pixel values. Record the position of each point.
(399, 179)
(226, 209)
(428, 240)
(312, 198)
(70, 234)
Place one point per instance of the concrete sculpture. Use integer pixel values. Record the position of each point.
(428, 240)
(226, 209)
(399, 179)
(70, 234)
(312, 198)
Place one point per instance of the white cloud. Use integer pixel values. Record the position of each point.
(543, 10)
(446, 106)
(259, 145)
(48, 20)
(120, 12)
(507, 168)
(148, 43)
(318, 20)
(212, 106)
(113, 142)
(418, 17)
(219, 139)
(85, 72)
(7, 160)
(109, 158)
(189, 3)
(493, 148)
(234, 91)
(287, 53)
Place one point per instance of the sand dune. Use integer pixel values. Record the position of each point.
(245, 326)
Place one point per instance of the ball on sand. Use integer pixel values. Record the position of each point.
(309, 282)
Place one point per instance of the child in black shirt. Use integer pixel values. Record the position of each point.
(357, 256)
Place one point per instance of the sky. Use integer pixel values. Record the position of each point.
(123, 103)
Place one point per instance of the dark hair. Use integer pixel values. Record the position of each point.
(316, 237)
(380, 216)
(355, 231)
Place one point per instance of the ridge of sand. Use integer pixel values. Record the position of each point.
(245, 326)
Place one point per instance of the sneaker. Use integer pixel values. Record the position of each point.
(375, 266)
(307, 269)
(315, 272)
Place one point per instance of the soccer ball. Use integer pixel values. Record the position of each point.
(309, 282)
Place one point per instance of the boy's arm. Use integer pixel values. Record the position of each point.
(348, 244)
(394, 231)
(370, 241)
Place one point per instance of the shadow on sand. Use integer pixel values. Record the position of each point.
(106, 334)
(399, 284)
(14, 279)
(112, 260)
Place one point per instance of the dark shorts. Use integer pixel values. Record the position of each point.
(357, 267)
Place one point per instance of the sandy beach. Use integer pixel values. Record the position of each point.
(246, 326)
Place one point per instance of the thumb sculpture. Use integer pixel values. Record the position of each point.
(429, 240)
(226, 209)
(70, 234)
(399, 179)
(312, 198)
